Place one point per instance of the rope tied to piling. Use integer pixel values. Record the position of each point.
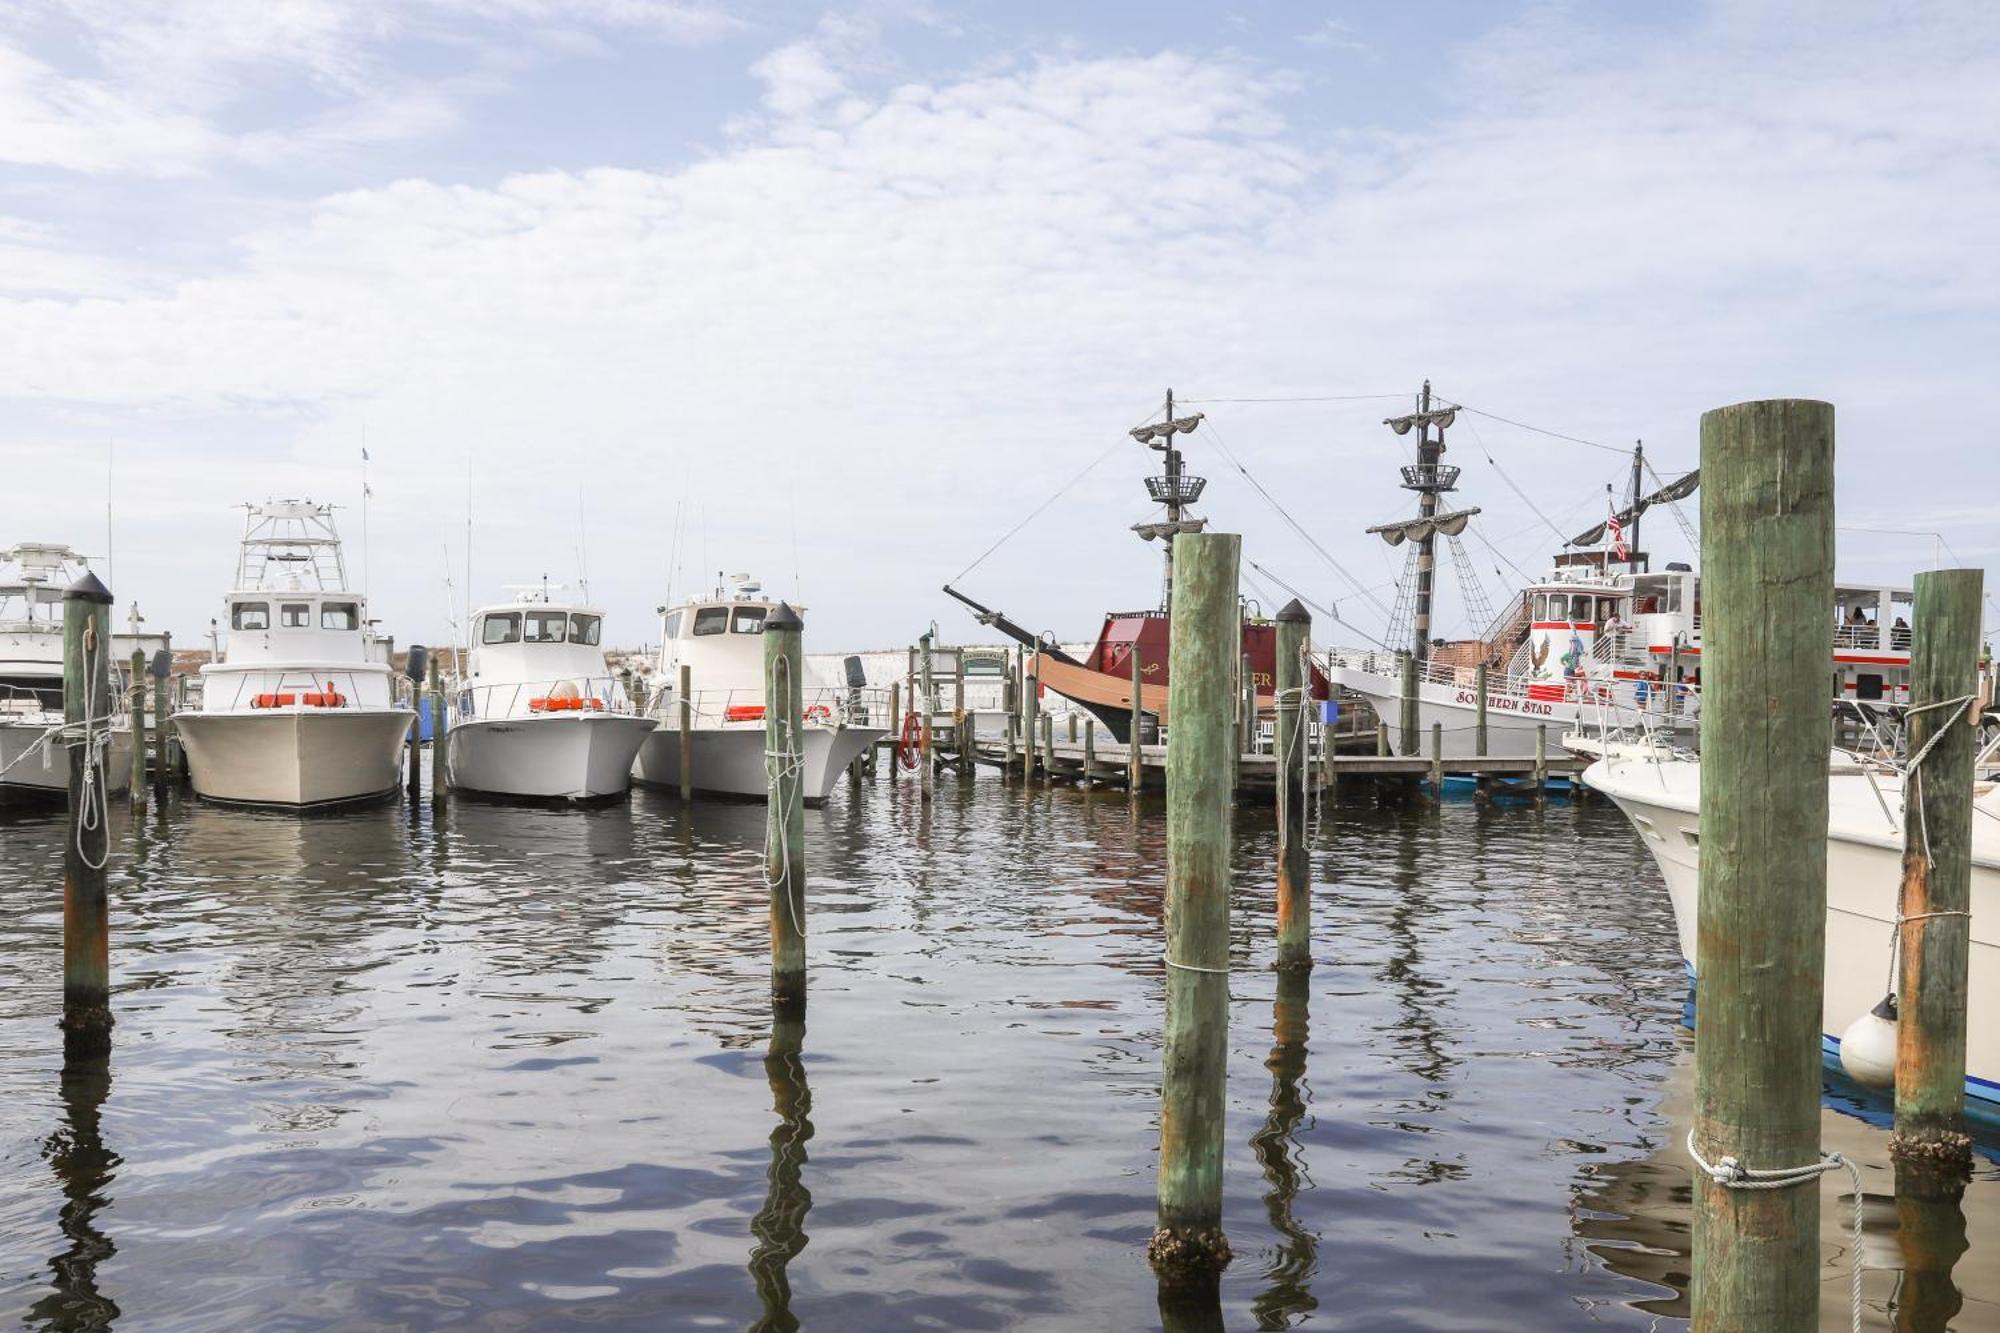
(781, 767)
(1731, 1174)
(1190, 967)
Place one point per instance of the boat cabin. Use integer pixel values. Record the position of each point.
(719, 639)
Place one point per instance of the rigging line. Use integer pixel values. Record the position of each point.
(1326, 611)
(1535, 509)
(1304, 536)
(1036, 511)
(1324, 398)
(1539, 430)
(1525, 576)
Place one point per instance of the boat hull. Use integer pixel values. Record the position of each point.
(1511, 721)
(36, 765)
(574, 756)
(729, 761)
(294, 759)
(1864, 877)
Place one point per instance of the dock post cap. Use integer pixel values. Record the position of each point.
(784, 617)
(1293, 612)
(89, 589)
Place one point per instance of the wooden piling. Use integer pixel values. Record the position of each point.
(1294, 868)
(1381, 740)
(1089, 753)
(1205, 639)
(1407, 705)
(1135, 769)
(440, 730)
(1937, 874)
(1479, 689)
(1437, 761)
(1048, 750)
(895, 728)
(86, 1020)
(1541, 763)
(162, 728)
(137, 708)
(686, 702)
(1030, 702)
(1760, 949)
(413, 779)
(784, 822)
(1246, 716)
(1013, 728)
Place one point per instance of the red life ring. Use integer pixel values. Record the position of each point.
(906, 748)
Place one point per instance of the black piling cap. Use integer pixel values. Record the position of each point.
(784, 618)
(1293, 613)
(88, 589)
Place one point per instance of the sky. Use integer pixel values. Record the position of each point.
(648, 290)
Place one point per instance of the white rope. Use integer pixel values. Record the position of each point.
(1731, 1174)
(89, 746)
(1190, 967)
(790, 763)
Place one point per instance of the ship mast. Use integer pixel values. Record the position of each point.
(1429, 478)
(1175, 489)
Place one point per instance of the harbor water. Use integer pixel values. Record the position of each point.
(512, 1067)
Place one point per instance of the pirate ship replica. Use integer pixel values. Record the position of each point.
(1101, 681)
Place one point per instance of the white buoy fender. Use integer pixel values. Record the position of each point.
(1868, 1047)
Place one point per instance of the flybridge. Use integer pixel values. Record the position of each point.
(290, 545)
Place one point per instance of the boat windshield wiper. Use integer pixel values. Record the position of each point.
(1026, 638)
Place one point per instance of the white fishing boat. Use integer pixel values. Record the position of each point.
(1660, 792)
(33, 759)
(1602, 637)
(303, 708)
(719, 639)
(537, 712)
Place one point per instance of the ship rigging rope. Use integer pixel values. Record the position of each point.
(1328, 612)
(1035, 513)
(1731, 1174)
(1532, 506)
(1304, 536)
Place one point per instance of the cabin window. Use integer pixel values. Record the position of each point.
(545, 626)
(749, 620)
(250, 615)
(294, 615)
(1607, 610)
(1541, 611)
(711, 620)
(1579, 610)
(503, 628)
(585, 629)
(1867, 686)
(340, 615)
(673, 630)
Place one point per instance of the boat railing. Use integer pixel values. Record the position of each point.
(476, 701)
(261, 689)
(825, 705)
(1654, 698)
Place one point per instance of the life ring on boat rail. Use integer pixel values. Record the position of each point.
(906, 746)
(275, 700)
(743, 713)
(327, 698)
(555, 703)
(819, 713)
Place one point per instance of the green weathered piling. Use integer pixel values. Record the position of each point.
(162, 711)
(136, 706)
(784, 823)
(1937, 874)
(1760, 950)
(1381, 740)
(686, 702)
(1246, 715)
(1089, 753)
(1479, 689)
(1437, 761)
(440, 728)
(1048, 749)
(1294, 869)
(1205, 638)
(1135, 768)
(1013, 726)
(1541, 763)
(86, 1020)
(1407, 704)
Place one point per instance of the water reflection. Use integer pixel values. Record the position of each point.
(1191, 1307)
(1287, 1295)
(780, 1225)
(83, 1168)
(1930, 1224)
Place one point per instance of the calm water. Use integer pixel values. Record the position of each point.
(514, 1069)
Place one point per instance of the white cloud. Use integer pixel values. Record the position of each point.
(908, 314)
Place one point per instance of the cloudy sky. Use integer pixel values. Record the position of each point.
(841, 296)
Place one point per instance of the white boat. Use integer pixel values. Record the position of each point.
(303, 708)
(720, 639)
(33, 760)
(1660, 792)
(538, 712)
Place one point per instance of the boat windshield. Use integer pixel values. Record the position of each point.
(585, 629)
(711, 620)
(502, 628)
(545, 626)
(294, 615)
(749, 620)
(340, 615)
(250, 615)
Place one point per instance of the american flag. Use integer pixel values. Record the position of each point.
(1616, 532)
